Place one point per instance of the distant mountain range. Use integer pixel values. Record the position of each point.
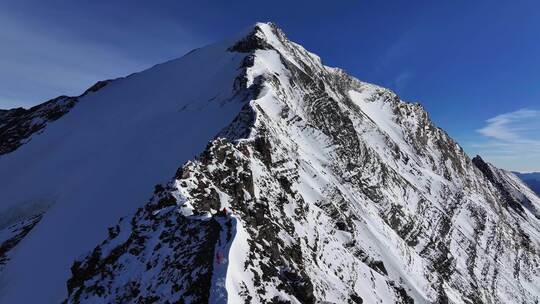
(531, 179)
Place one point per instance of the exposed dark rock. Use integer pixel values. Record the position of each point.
(18, 125)
(16, 233)
(486, 170)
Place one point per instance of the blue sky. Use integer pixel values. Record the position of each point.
(474, 65)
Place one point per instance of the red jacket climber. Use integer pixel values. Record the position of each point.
(219, 258)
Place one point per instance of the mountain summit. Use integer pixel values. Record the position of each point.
(272, 179)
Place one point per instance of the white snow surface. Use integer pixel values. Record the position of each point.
(382, 159)
(100, 161)
(424, 183)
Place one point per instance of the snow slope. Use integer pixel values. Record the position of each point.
(101, 159)
(335, 190)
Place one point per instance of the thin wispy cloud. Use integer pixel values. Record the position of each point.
(512, 140)
(514, 126)
(403, 79)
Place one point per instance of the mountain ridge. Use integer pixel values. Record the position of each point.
(532, 179)
(322, 188)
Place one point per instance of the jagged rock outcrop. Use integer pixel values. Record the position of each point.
(13, 234)
(515, 194)
(18, 125)
(323, 189)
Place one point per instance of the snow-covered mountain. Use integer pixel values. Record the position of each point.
(297, 183)
(532, 180)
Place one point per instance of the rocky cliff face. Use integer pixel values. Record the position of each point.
(18, 125)
(323, 189)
